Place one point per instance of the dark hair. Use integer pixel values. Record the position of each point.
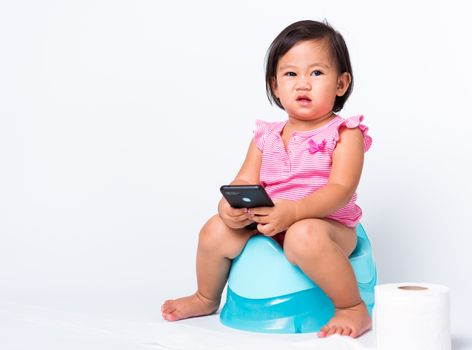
(304, 31)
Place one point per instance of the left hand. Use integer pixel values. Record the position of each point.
(272, 220)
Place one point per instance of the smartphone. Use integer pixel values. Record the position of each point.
(246, 196)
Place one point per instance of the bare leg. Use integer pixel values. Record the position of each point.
(321, 249)
(217, 246)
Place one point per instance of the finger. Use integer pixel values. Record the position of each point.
(260, 219)
(241, 218)
(237, 211)
(238, 224)
(266, 230)
(236, 221)
(260, 210)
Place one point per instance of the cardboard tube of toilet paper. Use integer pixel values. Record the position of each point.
(412, 316)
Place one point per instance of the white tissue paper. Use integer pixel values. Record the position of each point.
(412, 316)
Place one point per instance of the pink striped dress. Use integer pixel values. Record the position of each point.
(305, 165)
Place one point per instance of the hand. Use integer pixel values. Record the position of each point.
(233, 217)
(273, 220)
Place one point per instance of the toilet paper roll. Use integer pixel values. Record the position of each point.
(412, 316)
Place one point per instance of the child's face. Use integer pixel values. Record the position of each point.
(307, 81)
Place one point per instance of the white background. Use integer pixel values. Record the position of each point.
(119, 120)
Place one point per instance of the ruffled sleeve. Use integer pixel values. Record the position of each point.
(260, 133)
(355, 122)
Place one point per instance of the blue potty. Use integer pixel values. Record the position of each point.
(266, 293)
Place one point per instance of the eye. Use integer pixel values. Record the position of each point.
(316, 73)
(291, 74)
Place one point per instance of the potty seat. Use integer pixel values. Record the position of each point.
(266, 293)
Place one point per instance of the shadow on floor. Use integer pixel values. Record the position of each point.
(460, 342)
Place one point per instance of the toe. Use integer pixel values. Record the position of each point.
(165, 305)
(323, 331)
(346, 331)
(167, 310)
(170, 317)
(332, 330)
(168, 306)
(354, 333)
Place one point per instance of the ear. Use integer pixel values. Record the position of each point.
(344, 80)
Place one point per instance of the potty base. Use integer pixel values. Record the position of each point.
(301, 312)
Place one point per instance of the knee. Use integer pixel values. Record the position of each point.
(212, 233)
(217, 238)
(306, 239)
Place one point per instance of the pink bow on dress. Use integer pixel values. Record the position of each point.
(314, 147)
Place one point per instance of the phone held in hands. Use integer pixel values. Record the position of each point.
(246, 196)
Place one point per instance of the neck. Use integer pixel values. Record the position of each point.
(304, 125)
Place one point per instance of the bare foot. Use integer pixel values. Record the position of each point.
(191, 306)
(352, 321)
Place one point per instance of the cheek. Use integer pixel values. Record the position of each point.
(281, 91)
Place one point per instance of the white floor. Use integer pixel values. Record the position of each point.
(77, 324)
(119, 323)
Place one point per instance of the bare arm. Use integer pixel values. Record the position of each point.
(247, 175)
(348, 160)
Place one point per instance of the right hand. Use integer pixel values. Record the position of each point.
(235, 218)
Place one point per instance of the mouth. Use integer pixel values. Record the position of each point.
(303, 99)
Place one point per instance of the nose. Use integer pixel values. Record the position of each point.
(303, 83)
